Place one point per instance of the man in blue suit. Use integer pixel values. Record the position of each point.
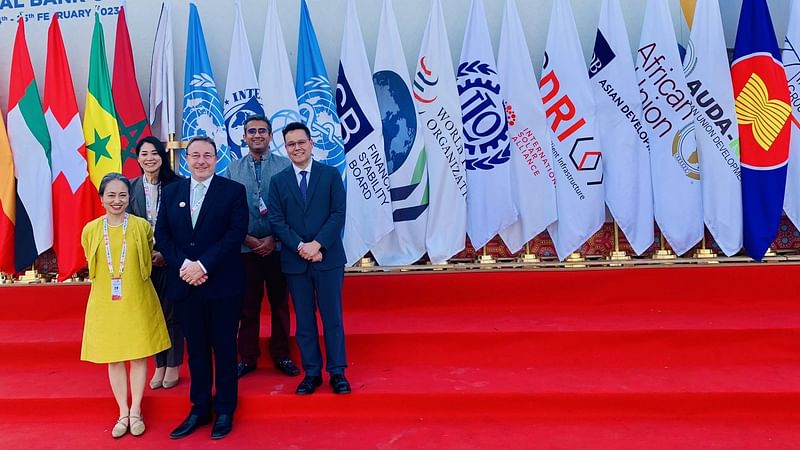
(201, 225)
(307, 209)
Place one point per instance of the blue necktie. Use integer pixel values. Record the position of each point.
(303, 185)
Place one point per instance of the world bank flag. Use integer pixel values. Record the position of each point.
(202, 110)
(315, 98)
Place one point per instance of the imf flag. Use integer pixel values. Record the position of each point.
(762, 106)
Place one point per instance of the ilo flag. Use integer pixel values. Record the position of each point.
(8, 202)
(762, 106)
(242, 97)
(709, 82)
(533, 176)
(315, 98)
(30, 143)
(668, 121)
(74, 195)
(162, 78)
(791, 63)
(132, 121)
(406, 159)
(439, 113)
(202, 111)
(275, 81)
(490, 206)
(626, 161)
(369, 212)
(570, 110)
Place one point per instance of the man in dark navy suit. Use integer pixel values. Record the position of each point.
(201, 225)
(307, 210)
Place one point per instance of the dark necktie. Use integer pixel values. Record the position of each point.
(304, 185)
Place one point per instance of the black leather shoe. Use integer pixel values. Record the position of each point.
(340, 384)
(193, 422)
(309, 384)
(243, 369)
(287, 366)
(222, 426)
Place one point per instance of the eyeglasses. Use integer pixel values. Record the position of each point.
(297, 143)
(254, 131)
(198, 156)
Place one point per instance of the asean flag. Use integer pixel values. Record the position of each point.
(763, 110)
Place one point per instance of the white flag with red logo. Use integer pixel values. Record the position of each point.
(791, 62)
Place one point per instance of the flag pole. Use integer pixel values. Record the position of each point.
(31, 276)
(529, 257)
(663, 252)
(617, 254)
(703, 252)
(174, 144)
(6, 278)
(486, 258)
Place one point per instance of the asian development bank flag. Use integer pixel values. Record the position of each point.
(202, 111)
(533, 177)
(315, 98)
(369, 206)
(570, 109)
(242, 97)
(709, 81)
(791, 63)
(439, 113)
(667, 113)
(405, 152)
(490, 206)
(275, 80)
(764, 113)
(626, 161)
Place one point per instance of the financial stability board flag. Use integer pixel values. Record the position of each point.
(369, 212)
(406, 158)
(439, 114)
(242, 96)
(132, 120)
(669, 123)
(533, 177)
(762, 107)
(570, 110)
(30, 144)
(490, 206)
(8, 202)
(100, 128)
(202, 111)
(315, 97)
(626, 161)
(74, 195)
(275, 81)
(162, 78)
(709, 81)
(791, 63)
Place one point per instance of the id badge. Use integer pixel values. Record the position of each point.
(262, 207)
(116, 289)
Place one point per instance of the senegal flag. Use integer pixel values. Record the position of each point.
(100, 121)
(8, 208)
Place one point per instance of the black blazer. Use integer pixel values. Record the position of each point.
(320, 219)
(215, 240)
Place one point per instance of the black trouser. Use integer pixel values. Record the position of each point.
(173, 356)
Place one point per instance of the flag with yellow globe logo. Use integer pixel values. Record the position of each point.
(100, 127)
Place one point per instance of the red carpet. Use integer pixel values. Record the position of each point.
(689, 357)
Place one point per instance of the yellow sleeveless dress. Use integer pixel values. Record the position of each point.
(126, 329)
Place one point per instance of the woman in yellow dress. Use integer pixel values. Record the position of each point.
(124, 321)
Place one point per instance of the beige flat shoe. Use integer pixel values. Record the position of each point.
(137, 425)
(120, 428)
(169, 384)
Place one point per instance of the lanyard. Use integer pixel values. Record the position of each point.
(150, 208)
(108, 246)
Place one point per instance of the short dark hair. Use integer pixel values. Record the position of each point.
(165, 174)
(202, 139)
(296, 126)
(111, 177)
(259, 117)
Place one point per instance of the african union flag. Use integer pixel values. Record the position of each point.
(762, 106)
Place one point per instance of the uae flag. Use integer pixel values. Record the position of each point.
(131, 117)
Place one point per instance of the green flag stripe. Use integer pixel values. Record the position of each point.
(419, 170)
(31, 110)
(99, 80)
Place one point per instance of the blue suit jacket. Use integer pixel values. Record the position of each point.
(215, 240)
(321, 218)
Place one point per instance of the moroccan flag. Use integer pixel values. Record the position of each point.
(8, 205)
(762, 106)
(74, 196)
(30, 144)
(100, 120)
(131, 117)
